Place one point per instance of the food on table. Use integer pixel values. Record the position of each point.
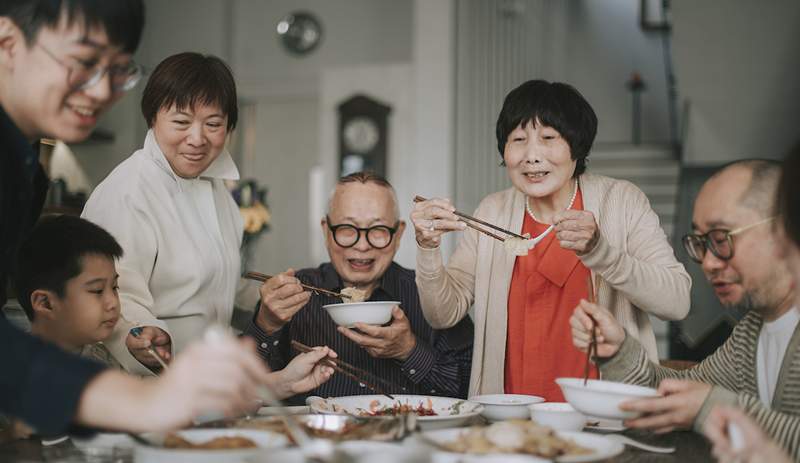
(515, 436)
(518, 246)
(353, 294)
(397, 408)
(174, 441)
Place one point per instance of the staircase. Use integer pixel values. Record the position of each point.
(654, 169)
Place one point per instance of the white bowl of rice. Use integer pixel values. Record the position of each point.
(347, 314)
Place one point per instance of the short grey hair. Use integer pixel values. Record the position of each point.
(365, 177)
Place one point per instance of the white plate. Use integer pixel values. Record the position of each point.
(602, 424)
(288, 410)
(603, 448)
(361, 451)
(450, 413)
(156, 453)
(104, 439)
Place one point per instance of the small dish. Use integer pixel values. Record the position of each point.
(500, 407)
(560, 416)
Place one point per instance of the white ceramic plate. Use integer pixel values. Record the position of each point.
(361, 451)
(451, 412)
(156, 453)
(603, 448)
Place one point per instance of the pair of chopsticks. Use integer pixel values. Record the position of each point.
(591, 286)
(342, 367)
(468, 219)
(136, 332)
(262, 278)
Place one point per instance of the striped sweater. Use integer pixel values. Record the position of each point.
(731, 370)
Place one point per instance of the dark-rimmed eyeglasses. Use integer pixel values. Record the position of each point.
(718, 241)
(347, 235)
(81, 76)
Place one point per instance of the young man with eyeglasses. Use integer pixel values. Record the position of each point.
(362, 234)
(62, 64)
(758, 367)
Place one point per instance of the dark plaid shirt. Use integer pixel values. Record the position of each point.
(438, 365)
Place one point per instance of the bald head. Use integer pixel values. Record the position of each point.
(754, 181)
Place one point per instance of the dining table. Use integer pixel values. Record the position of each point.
(689, 447)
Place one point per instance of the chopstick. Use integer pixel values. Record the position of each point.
(263, 277)
(136, 332)
(592, 295)
(465, 218)
(340, 365)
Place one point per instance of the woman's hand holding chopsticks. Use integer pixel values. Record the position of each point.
(307, 371)
(432, 218)
(609, 333)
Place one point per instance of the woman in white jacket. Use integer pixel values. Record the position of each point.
(169, 209)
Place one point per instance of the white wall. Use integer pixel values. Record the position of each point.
(737, 65)
(598, 46)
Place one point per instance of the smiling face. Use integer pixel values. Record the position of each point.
(748, 280)
(538, 161)
(38, 88)
(191, 138)
(363, 205)
(89, 309)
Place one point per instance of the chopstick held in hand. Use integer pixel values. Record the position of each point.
(592, 295)
(343, 367)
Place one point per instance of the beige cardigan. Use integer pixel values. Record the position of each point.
(638, 270)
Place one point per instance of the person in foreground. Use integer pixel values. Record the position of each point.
(756, 446)
(62, 64)
(587, 225)
(758, 367)
(362, 233)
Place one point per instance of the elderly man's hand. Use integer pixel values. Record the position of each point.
(281, 297)
(394, 341)
(677, 408)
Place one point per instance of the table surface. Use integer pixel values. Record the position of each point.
(690, 447)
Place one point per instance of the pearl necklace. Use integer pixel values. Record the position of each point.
(537, 239)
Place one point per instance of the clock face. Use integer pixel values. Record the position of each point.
(360, 135)
(300, 32)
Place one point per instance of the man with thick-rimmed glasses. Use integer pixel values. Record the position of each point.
(362, 234)
(758, 367)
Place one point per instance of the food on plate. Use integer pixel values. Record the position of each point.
(174, 441)
(353, 294)
(518, 246)
(398, 408)
(515, 436)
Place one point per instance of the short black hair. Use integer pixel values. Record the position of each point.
(122, 20)
(555, 105)
(53, 254)
(189, 78)
(788, 198)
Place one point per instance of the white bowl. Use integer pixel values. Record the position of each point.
(560, 416)
(499, 407)
(372, 313)
(602, 398)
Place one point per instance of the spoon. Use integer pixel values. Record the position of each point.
(635, 443)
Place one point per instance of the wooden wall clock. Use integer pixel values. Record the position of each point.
(363, 135)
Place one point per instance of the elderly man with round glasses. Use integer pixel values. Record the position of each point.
(362, 234)
(758, 367)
